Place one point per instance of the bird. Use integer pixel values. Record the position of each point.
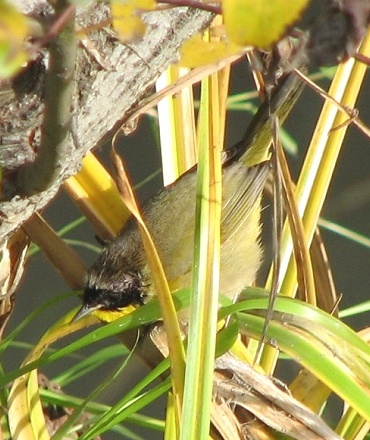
(120, 280)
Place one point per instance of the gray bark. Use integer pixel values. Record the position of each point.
(106, 97)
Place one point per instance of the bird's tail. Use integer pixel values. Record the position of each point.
(255, 145)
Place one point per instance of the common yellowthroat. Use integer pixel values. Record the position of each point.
(120, 279)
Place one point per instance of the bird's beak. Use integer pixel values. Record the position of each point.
(84, 311)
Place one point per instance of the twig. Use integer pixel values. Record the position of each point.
(352, 113)
(55, 128)
(194, 4)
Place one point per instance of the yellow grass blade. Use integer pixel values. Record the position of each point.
(171, 325)
(176, 127)
(317, 171)
(95, 192)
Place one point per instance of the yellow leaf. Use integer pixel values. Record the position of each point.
(260, 23)
(197, 52)
(126, 17)
(13, 31)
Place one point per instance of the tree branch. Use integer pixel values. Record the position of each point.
(55, 129)
(105, 96)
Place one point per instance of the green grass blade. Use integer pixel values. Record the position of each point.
(321, 343)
